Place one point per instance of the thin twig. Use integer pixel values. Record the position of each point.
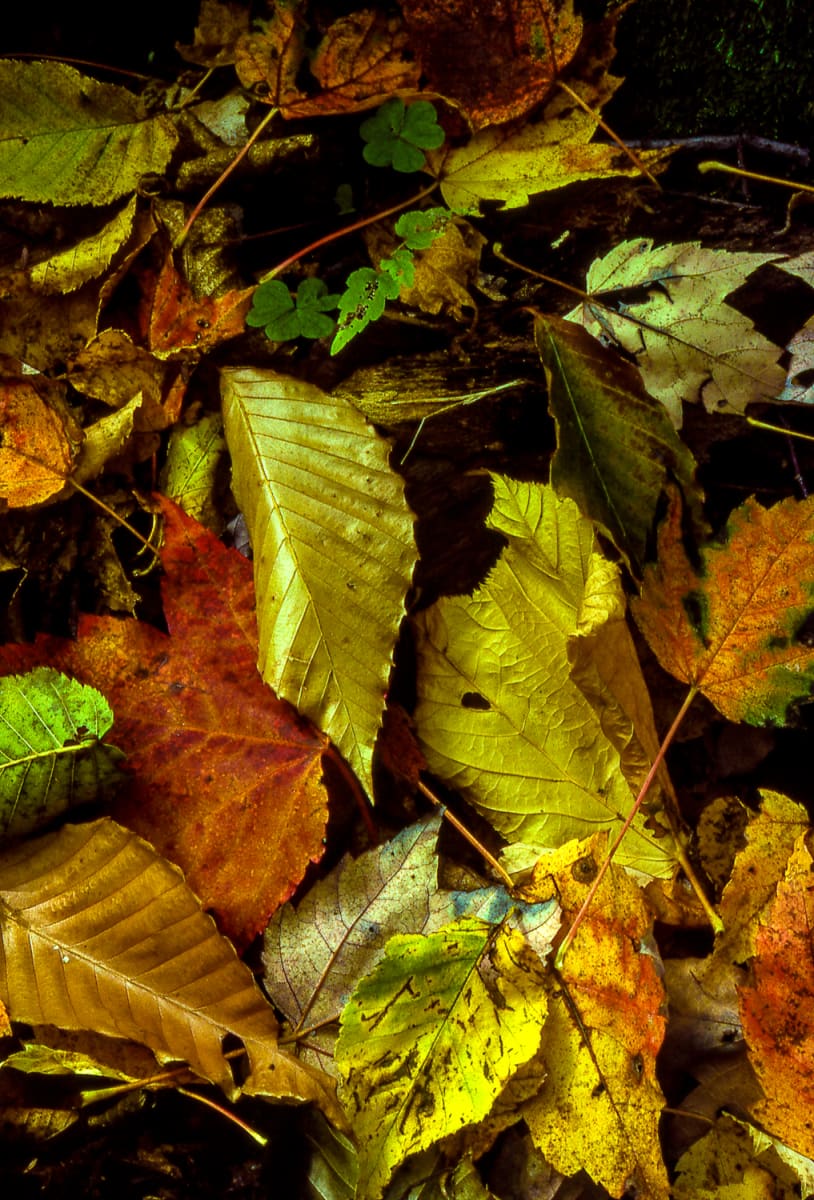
(631, 154)
(726, 142)
(470, 837)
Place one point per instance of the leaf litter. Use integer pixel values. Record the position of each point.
(402, 970)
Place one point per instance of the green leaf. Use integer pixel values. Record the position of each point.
(420, 228)
(67, 139)
(500, 716)
(397, 136)
(431, 1037)
(190, 474)
(333, 550)
(51, 753)
(616, 446)
(366, 293)
(284, 317)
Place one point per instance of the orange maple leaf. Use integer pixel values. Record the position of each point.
(730, 628)
(224, 779)
(180, 324)
(494, 58)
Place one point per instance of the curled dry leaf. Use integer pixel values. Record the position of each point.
(98, 932)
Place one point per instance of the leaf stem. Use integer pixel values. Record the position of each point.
(338, 233)
(224, 1112)
(786, 183)
(645, 788)
(224, 175)
(631, 154)
(470, 837)
(497, 250)
(791, 433)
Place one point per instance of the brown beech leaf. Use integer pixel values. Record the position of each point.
(361, 60)
(227, 780)
(98, 932)
(35, 450)
(465, 46)
(777, 1009)
(730, 628)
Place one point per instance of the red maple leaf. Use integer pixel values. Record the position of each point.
(223, 778)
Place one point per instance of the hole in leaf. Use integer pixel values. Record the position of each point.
(475, 700)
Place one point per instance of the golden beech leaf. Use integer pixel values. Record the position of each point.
(777, 1008)
(98, 932)
(599, 1107)
(729, 628)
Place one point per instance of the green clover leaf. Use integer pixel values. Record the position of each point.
(284, 317)
(397, 136)
(419, 229)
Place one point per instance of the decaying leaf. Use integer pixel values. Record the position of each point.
(730, 627)
(194, 457)
(180, 324)
(36, 453)
(225, 780)
(51, 753)
(85, 918)
(361, 60)
(499, 716)
(430, 1037)
(600, 1104)
(67, 139)
(686, 341)
(615, 445)
(333, 550)
(464, 49)
(724, 1162)
(69, 269)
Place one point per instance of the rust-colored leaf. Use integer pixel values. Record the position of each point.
(180, 324)
(35, 451)
(777, 1009)
(362, 59)
(464, 48)
(730, 627)
(226, 779)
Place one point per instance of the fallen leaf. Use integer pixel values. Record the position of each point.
(724, 1162)
(616, 447)
(68, 139)
(226, 780)
(777, 1007)
(181, 324)
(798, 388)
(220, 25)
(729, 627)
(445, 271)
(314, 954)
(65, 962)
(195, 456)
(362, 60)
(36, 454)
(464, 49)
(51, 752)
(333, 550)
(600, 1104)
(68, 269)
(512, 164)
(499, 716)
(430, 1037)
(687, 342)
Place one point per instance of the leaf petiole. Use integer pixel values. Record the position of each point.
(715, 920)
